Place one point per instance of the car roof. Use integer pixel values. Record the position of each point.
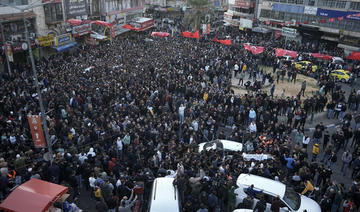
(164, 196)
(231, 145)
(261, 183)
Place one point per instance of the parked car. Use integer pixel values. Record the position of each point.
(164, 196)
(303, 66)
(341, 75)
(270, 189)
(229, 146)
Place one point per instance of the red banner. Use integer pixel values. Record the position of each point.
(160, 34)
(254, 49)
(322, 56)
(127, 26)
(225, 42)
(36, 131)
(282, 52)
(187, 34)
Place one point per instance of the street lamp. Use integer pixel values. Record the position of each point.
(36, 81)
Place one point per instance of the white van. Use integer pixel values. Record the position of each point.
(291, 201)
(164, 196)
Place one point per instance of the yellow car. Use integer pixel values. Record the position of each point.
(303, 65)
(341, 75)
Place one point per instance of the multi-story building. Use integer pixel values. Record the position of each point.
(240, 13)
(332, 20)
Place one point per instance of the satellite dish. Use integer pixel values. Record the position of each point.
(47, 157)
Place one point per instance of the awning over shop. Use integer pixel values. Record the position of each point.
(33, 196)
(65, 47)
(17, 16)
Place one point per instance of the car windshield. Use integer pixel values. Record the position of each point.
(292, 198)
(209, 145)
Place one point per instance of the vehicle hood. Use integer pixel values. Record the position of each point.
(308, 205)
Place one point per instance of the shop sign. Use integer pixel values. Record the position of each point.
(335, 14)
(81, 30)
(310, 10)
(19, 47)
(75, 8)
(47, 40)
(288, 32)
(63, 39)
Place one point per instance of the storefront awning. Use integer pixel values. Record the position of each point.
(17, 16)
(65, 47)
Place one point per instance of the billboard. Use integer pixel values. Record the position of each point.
(336, 14)
(310, 10)
(75, 8)
(246, 23)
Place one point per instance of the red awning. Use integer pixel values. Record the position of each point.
(354, 56)
(33, 196)
(322, 56)
(75, 22)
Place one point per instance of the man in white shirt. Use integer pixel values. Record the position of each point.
(119, 145)
(181, 113)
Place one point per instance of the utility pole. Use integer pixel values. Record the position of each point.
(5, 50)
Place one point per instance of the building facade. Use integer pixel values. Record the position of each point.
(240, 13)
(332, 20)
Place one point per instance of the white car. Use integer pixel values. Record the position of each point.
(291, 201)
(164, 196)
(227, 146)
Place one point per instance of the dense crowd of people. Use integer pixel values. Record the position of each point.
(143, 107)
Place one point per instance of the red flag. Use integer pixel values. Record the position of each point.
(331, 20)
(254, 49)
(323, 21)
(322, 56)
(282, 52)
(341, 18)
(187, 34)
(225, 42)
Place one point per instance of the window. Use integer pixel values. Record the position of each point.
(355, 5)
(53, 13)
(265, 13)
(14, 2)
(291, 1)
(311, 3)
(340, 4)
(283, 1)
(299, 1)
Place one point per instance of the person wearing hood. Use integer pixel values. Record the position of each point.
(91, 152)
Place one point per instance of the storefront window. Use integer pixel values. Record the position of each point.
(299, 1)
(14, 2)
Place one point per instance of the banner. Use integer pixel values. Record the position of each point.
(75, 8)
(352, 15)
(310, 10)
(225, 42)
(127, 26)
(187, 34)
(160, 34)
(246, 23)
(9, 52)
(36, 131)
(63, 39)
(254, 49)
(322, 56)
(282, 52)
